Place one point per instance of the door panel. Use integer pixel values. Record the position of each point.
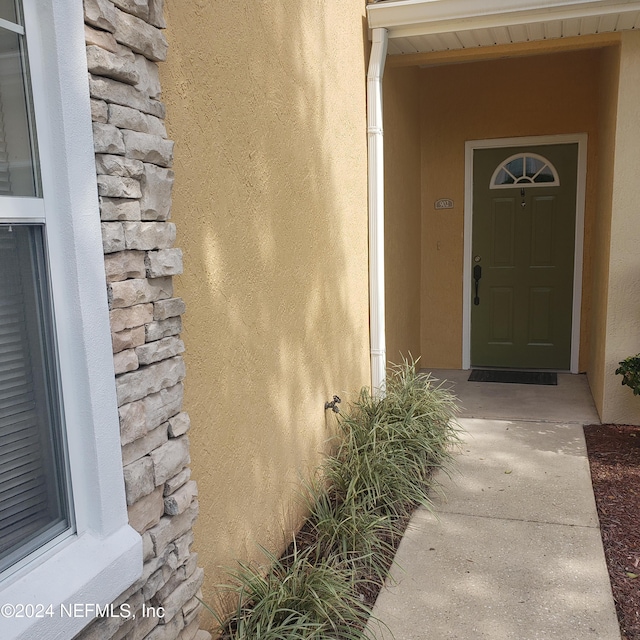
(524, 237)
(503, 233)
(542, 230)
(501, 315)
(541, 316)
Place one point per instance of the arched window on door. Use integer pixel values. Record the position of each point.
(524, 169)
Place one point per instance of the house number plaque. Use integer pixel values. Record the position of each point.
(444, 203)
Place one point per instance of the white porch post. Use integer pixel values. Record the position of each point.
(376, 210)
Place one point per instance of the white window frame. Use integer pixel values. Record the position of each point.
(103, 557)
(522, 181)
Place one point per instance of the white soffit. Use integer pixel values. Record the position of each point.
(422, 26)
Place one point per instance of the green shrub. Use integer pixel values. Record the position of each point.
(390, 446)
(350, 537)
(295, 599)
(629, 369)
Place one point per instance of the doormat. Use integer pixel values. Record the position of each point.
(515, 377)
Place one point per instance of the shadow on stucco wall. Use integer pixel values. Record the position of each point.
(266, 103)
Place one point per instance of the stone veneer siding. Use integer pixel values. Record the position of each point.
(133, 158)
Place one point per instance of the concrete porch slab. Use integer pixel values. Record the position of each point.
(569, 401)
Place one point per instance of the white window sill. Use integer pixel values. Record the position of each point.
(85, 572)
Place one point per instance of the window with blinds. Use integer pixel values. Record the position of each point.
(33, 495)
(34, 488)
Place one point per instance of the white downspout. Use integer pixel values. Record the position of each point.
(376, 210)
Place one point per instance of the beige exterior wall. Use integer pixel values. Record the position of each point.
(601, 236)
(402, 212)
(266, 102)
(623, 292)
(526, 96)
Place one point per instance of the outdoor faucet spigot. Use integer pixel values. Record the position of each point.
(333, 405)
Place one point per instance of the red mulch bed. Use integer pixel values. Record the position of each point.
(614, 456)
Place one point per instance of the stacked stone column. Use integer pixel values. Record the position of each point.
(134, 179)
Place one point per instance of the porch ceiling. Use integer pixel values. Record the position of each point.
(426, 26)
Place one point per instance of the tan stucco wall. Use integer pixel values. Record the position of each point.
(623, 309)
(601, 236)
(526, 96)
(266, 103)
(402, 212)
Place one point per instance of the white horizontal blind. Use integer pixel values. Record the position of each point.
(23, 492)
(30, 487)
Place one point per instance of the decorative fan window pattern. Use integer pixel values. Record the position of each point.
(523, 169)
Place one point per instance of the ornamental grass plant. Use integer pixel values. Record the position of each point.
(350, 537)
(297, 597)
(390, 446)
(387, 449)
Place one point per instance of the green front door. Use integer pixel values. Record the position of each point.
(524, 219)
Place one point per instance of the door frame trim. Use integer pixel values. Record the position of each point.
(470, 147)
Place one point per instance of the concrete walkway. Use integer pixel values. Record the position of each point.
(514, 551)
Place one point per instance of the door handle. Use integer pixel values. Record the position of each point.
(477, 274)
